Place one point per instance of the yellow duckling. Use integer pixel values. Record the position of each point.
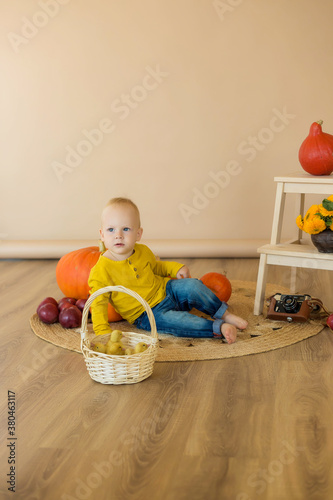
(140, 347)
(116, 335)
(114, 348)
(99, 347)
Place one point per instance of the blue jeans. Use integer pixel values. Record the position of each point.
(172, 314)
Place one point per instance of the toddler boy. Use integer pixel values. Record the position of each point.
(132, 265)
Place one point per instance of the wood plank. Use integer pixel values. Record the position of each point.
(255, 427)
(305, 178)
(303, 251)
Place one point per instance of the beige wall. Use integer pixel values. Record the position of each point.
(199, 104)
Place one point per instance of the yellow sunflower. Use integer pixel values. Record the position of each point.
(300, 222)
(311, 212)
(325, 212)
(314, 226)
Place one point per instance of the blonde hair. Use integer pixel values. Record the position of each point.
(124, 201)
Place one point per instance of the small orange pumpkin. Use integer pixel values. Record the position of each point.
(72, 273)
(219, 284)
(316, 151)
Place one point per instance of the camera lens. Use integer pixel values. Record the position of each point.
(289, 303)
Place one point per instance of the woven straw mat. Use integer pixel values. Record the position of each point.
(261, 335)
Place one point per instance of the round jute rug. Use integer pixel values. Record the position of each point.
(261, 335)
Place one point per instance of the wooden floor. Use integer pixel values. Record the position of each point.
(248, 428)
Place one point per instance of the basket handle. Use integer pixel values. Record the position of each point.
(107, 289)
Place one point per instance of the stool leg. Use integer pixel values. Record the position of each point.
(300, 211)
(278, 213)
(261, 285)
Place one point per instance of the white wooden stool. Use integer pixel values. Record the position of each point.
(295, 253)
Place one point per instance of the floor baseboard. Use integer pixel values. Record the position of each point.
(186, 248)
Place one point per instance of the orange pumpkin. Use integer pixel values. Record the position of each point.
(72, 273)
(316, 151)
(219, 284)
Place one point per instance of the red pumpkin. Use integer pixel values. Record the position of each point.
(72, 273)
(316, 151)
(219, 284)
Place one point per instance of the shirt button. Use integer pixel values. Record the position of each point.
(135, 269)
(129, 262)
(137, 276)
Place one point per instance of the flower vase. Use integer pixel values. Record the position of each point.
(323, 241)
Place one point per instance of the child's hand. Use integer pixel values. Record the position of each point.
(183, 272)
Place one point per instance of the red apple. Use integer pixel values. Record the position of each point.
(80, 303)
(70, 317)
(48, 313)
(48, 300)
(329, 321)
(64, 300)
(65, 305)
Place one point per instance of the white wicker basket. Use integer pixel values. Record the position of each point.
(124, 369)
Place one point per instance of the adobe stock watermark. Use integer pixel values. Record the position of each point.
(31, 27)
(39, 361)
(263, 477)
(131, 440)
(300, 276)
(122, 107)
(225, 7)
(249, 148)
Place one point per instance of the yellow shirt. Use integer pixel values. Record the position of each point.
(141, 272)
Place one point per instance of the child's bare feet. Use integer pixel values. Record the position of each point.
(229, 332)
(232, 319)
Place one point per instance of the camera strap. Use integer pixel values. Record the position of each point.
(317, 307)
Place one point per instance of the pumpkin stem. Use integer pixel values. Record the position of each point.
(101, 246)
(320, 122)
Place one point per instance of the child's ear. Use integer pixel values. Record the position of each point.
(101, 234)
(139, 234)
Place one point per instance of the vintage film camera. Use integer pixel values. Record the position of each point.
(289, 308)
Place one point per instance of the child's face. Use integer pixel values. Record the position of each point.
(120, 230)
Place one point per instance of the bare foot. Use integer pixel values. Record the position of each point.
(232, 319)
(229, 332)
